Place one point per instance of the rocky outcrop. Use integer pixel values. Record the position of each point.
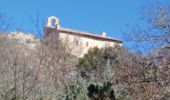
(25, 38)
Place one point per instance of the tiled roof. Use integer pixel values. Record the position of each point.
(87, 34)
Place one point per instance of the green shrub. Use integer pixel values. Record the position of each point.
(81, 89)
(77, 90)
(101, 92)
(98, 62)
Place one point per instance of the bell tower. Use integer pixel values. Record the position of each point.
(53, 22)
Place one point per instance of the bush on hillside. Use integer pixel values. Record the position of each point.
(99, 63)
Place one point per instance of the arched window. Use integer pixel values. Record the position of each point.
(53, 23)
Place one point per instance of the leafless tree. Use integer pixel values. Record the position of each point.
(143, 76)
(27, 73)
(155, 31)
(55, 59)
(5, 22)
(152, 69)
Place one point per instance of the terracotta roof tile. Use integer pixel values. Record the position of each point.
(87, 34)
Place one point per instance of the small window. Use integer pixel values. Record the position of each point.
(87, 44)
(77, 42)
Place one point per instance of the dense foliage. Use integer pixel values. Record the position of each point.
(98, 63)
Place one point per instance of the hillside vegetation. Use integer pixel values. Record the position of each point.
(44, 69)
(47, 73)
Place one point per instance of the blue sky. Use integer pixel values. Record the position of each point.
(94, 16)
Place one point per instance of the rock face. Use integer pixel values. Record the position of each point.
(23, 38)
